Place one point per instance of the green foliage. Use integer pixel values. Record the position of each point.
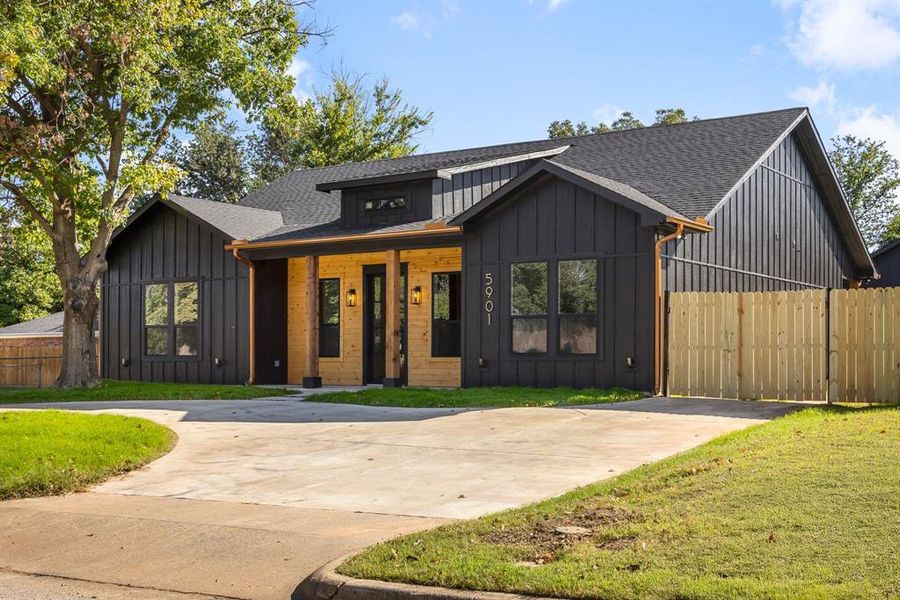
(892, 231)
(348, 123)
(529, 288)
(111, 390)
(577, 286)
(800, 507)
(214, 163)
(626, 120)
(479, 397)
(53, 452)
(870, 176)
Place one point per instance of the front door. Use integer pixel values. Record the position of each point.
(374, 331)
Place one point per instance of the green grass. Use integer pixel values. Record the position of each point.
(478, 397)
(807, 506)
(52, 452)
(111, 389)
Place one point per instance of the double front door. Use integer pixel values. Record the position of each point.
(374, 324)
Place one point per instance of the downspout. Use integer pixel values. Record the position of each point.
(657, 308)
(252, 268)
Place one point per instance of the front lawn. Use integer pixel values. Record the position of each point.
(53, 452)
(111, 389)
(807, 506)
(477, 397)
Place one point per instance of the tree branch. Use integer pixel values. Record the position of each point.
(27, 206)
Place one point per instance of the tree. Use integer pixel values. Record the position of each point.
(670, 116)
(348, 123)
(214, 163)
(870, 176)
(90, 92)
(626, 120)
(892, 231)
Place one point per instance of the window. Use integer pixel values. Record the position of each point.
(578, 306)
(445, 310)
(529, 307)
(186, 313)
(380, 204)
(329, 317)
(156, 319)
(171, 316)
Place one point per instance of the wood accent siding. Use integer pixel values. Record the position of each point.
(346, 369)
(552, 220)
(776, 224)
(451, 197)
(165, 246)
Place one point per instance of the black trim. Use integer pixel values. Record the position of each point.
(170, 326)
(393, 382)
(312, 382)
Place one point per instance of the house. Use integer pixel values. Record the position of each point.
(538, 263)
(887, 261)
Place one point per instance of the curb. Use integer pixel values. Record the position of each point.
(327, 584)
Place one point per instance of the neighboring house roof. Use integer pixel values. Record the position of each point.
(44, 326)
(49, 326)
(890, 246)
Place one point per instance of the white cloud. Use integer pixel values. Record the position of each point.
(301, 71)
(813, 97)
(407, 21)
(757, 50)
(846, 34)
(554, 4)
(869, 123)
(607, 113)
(450, 8)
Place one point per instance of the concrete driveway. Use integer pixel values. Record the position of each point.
(257, 494)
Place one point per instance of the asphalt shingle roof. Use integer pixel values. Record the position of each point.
(239, 221)
(687, 167)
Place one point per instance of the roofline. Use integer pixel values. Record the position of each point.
(885, 248)
(427, 232)
(806, 117)
(571, 175)
(156, 199)
(445, 173)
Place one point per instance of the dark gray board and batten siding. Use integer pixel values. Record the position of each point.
(775, 224)
(554, 220)
(165, 246)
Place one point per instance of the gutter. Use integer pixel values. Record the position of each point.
(698, 226)
(252, 346)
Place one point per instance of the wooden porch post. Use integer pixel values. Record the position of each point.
(392, 376)
(311, 379)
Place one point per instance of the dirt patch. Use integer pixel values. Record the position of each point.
(546, 538)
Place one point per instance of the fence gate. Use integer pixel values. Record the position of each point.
(842, 345)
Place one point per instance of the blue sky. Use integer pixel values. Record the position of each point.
(500, 71)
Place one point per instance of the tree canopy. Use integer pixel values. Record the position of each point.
(90, 93)
(625, 120)
(870, 176)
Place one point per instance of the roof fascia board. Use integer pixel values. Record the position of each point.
(649, 216)
(887, 247)
(347, 184)
(157, 199)
(756, 165)
(498, 162)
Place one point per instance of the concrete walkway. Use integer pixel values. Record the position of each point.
(258, 494)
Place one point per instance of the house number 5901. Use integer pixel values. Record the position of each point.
(488, 295)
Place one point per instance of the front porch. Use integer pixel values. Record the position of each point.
(370, 318)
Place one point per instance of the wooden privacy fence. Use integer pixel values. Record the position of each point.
(31, 361)
(839, 345)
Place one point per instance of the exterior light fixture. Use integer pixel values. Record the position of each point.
(416, 295)
(351, 297)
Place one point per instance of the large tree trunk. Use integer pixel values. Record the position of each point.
(79, 359)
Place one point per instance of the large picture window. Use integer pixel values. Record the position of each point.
(529, 307)
(329, 317)
(171, 317)
(445, 311)
(578, 306)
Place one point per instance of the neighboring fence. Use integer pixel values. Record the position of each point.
(841, 345)
(31, 361)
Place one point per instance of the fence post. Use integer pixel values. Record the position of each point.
(665, 350)
(828, 345)
(740, 345)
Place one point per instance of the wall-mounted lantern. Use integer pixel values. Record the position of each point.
(351, 297)
(416, 295)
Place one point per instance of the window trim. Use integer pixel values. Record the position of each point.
(458, 320)
(170, 326)
(545, 315)
(595, 314)
(322, 325)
